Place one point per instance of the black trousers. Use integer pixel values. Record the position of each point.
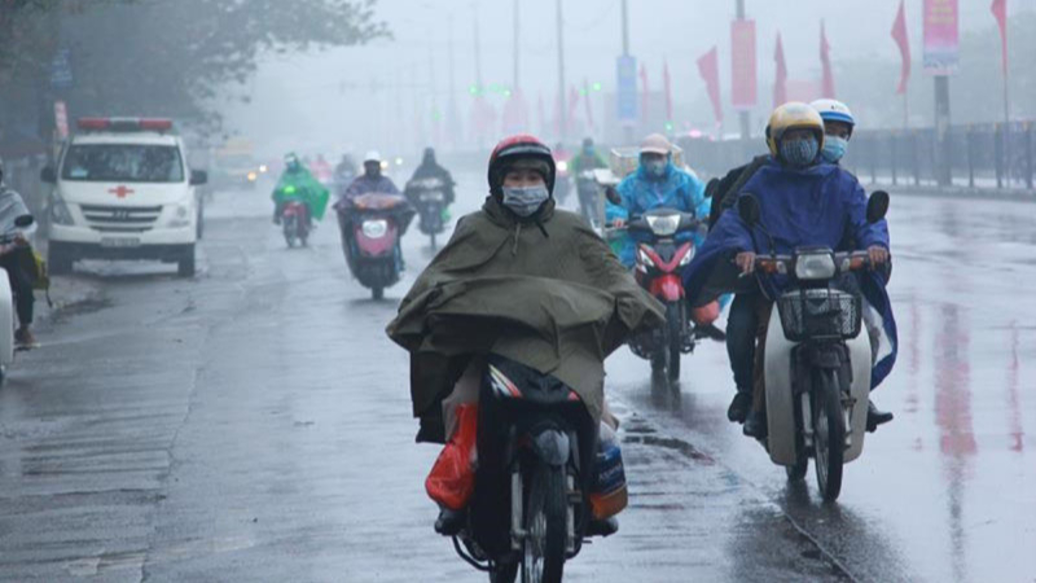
(21, 283)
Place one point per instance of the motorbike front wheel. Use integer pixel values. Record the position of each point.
(289, 231)
(674, 325)
(829, 434)
(544, 546)
(504, 573)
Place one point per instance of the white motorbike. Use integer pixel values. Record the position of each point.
(817, 361)
(7, 317)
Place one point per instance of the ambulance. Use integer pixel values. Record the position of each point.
(123, 190)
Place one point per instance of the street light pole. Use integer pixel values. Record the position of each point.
(743, 116)
(562, 121)
(628, 129)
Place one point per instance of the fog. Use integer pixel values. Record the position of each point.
(374, 96)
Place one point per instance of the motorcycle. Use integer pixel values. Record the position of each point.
(7, 317)
(657, 267)
(371, 226)
(529, 510)
(428, 196)
(817, 361)
(295, 223)
(587, 192)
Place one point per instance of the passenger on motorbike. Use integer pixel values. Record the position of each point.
(516, 257)
(839, 123)
(803, 202)
(297, 184)
(14, 257)
(430, 169)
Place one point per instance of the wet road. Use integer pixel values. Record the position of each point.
(253, 424)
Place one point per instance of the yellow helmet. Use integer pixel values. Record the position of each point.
(790, 116)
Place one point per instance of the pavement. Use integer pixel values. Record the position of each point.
(253, 424)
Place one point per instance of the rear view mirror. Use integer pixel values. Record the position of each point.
(878, 206)
(749, 209)
(612, 195)
(24, 221)
(47, 175)
(199, 177)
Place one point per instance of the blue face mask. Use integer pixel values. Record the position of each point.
(835, 149)
(799, 153)
(525, 200)
(656, 168)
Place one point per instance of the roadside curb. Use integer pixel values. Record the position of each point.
(1009, 195)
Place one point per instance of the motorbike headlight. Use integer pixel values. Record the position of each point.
(563, 166)
(375, 229)
(431, 196)
(664, 225)
(252, 176)
(814, 266)
(59, 213)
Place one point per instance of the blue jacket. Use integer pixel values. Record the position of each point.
(822, 205)
(364, 184)
(641, 192)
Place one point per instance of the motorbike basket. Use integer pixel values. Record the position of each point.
(819, 314)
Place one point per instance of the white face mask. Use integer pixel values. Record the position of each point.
(525, 200)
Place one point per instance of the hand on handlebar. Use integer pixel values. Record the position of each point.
(20, 240)
(878, 255)
(618, 223)
(746, 261)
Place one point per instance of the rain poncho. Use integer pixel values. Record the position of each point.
(302, 186)
(640, 192)
(11, 207)
(365, 184)
(822, 205)
(547, 293)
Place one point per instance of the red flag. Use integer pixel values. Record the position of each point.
(827, 80)
(781, 74)
(644, 94)
(1000, 11)
(900, 36)
(589, 111)
(666, 90)
(710, 73)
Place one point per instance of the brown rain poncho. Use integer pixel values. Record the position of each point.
(548, 294)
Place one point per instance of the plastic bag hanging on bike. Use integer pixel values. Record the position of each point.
(452, 479)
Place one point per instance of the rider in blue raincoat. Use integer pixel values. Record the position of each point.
(657, 183)
(803, 202)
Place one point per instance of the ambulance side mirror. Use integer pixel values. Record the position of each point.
(199, 177)
(48, 176)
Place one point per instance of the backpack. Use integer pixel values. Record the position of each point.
(724, 191)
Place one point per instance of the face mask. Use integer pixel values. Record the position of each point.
(525, 200)
(656, 168)
(835, 149)
(799, 153)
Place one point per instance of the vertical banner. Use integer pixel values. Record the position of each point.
(940, 36)
(626, 89)
(743, 64)
(61, 119)
(710, 72)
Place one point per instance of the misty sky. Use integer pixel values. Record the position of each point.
(328, 95)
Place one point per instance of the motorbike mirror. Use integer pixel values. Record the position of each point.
(47, 175)
(24, 221)
(749, 209)
(878, 205)
(613, 195)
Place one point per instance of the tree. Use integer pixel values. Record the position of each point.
(174, 58)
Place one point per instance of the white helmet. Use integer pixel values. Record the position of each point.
(372, 156)
(832, 110)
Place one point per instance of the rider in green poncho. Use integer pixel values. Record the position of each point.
(298, 184)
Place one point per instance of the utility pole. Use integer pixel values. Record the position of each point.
(562, 121)
(942, 86)
(743, 116)
(451, 115)
(515, 71)
(628, 129)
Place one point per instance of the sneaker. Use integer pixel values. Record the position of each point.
(740, 407)
(876, 417)
(755, 425)
(710, 331)
(23, 337)
(450, 522)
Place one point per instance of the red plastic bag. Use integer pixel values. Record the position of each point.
(452, 479)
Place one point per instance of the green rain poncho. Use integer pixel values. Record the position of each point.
(301, 185)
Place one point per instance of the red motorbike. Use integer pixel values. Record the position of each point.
(664, 246)
(295, 223)
(372, 226)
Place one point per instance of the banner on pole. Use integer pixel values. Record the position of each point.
(940, 36)
(743, 64)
